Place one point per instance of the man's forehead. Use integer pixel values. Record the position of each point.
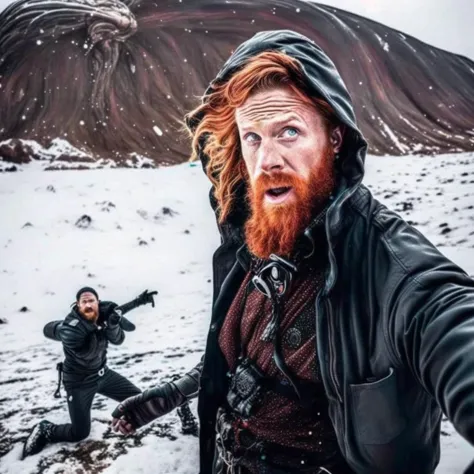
(278, 103)
(86, 296)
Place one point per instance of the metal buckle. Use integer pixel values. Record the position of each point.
(275, 277)
(101, 372)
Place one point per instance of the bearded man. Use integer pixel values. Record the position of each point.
(85, 334)
(339, 334)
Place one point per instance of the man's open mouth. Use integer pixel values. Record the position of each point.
(278, 195)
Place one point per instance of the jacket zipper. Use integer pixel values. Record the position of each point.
(331, 346)
(332, 353)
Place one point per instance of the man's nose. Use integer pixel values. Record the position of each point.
(269, 159)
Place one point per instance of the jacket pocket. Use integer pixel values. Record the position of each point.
(376, 410)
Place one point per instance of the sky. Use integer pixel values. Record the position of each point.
(446, 24)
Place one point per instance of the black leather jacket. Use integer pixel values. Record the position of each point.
(84, 343)
(394, 321)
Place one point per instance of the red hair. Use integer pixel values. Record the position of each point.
(226, 168)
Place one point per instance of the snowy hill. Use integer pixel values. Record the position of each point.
(154, 229)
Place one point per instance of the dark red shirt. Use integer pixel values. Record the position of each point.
(278, 419)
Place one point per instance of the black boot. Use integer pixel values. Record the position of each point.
(39, 437)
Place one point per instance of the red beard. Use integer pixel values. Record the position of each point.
(274, 228)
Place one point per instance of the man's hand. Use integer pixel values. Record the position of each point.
(141, 409)
(147, 297)
(122, 425)
(115, 317)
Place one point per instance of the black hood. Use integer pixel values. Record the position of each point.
(322, 79)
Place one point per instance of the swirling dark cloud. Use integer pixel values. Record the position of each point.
(117, 77)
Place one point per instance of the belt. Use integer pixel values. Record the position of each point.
(79, 376)
(250, 450)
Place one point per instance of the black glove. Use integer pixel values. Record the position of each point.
(147, 297)
(140, 409)
(114, 318)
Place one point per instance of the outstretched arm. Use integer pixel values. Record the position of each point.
(432, 322)
(137, 411)
(143, 298)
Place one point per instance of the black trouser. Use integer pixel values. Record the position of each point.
(79, 400)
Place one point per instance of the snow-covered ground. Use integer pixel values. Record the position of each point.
(154, 229)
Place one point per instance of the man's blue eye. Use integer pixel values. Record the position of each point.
(292, 132)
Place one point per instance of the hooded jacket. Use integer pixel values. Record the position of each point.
(84, 343)
(394, 320)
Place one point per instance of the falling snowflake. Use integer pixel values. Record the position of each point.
(158, 131)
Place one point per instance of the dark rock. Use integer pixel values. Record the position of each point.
(187, 231)
(27, 224)
(142, 242)
(168, 211)
(106, 206)
(84, 222)
(16, 152)
(404, 206)
(3, 321)
(446, 230)
(50, 188)
(24, 309)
